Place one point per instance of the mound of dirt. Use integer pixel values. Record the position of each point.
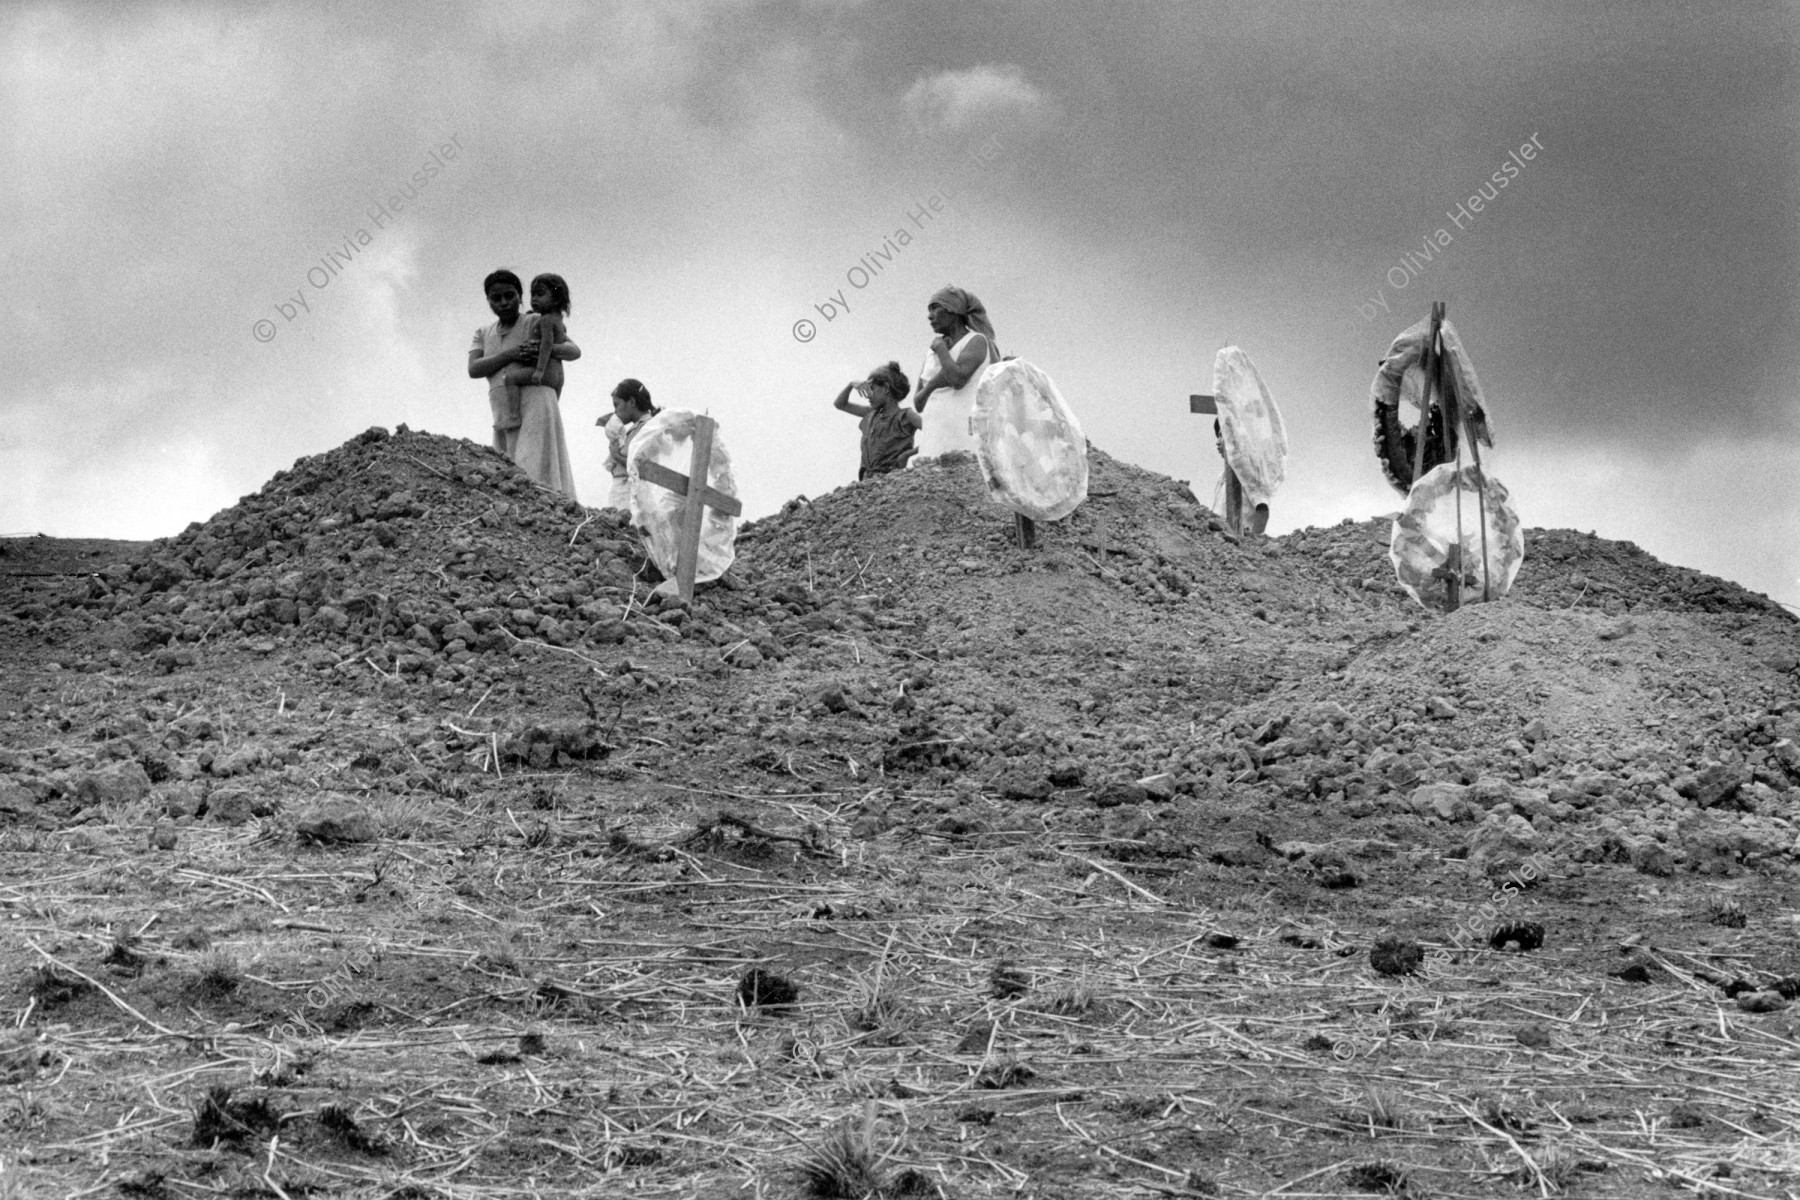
(892, 636)
(1144, 652)
(419, 553)
(403, 739)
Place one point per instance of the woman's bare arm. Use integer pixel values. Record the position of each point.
(480, 367)
(954, 372)
(845, 404)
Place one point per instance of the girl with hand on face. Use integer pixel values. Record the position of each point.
(887, 429)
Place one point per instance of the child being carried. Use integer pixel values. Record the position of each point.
(543, 330)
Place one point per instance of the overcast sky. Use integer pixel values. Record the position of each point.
(1128, 187)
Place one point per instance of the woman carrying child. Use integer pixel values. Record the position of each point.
(887, 429)
(522, 358)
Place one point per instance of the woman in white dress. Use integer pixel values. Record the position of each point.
(963, 349)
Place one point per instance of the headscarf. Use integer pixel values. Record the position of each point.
(965, 305)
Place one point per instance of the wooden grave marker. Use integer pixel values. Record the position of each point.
(1439, 392)
(699, 499)
(1234, 490)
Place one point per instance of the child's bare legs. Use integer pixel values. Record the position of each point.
(519, 375)
(553, 376)
(515, 377)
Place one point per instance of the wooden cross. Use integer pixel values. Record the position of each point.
(1234, 488)
(699, 499)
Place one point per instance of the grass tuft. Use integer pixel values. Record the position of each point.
(341, 1124)
(1380, 1112)
(878, 1004)
(1379, 1176)
(1008, 980)
(218, 972)
(845, 1165)
(1726, 913)
(1077, 1000)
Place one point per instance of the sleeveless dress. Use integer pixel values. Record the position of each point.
(947, 412)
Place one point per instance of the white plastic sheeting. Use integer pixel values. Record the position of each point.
(1427, 552)
(1250, 424)
(1400, 379)
(1029, 444)
(668, 438)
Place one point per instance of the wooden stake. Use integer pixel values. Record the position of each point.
(1427, 368)
(688, 554)
(1234, 488)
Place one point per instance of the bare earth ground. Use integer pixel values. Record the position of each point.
(373, 839)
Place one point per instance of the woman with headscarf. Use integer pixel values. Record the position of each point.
(963, 348)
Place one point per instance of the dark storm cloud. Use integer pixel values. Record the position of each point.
(1155, 180)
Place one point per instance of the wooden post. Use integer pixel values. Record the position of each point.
(700, 497)
(1234, 501)
(1428, 369)
(694, 512)
(1026, 529)
(1234, 487)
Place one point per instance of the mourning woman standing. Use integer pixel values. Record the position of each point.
(531, 433)
(963, 348)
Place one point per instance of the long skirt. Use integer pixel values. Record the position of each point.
(946, 419)
(541, 451)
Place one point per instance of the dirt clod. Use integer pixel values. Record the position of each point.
(223, 1118)
(1535, 1036)
(52, 987)
(1762, 1002)
(334, 827)
(1526, 935)
(341, 1124)
(766, 990)
(1380, 1176)
(1007, 979)
(1394, 956)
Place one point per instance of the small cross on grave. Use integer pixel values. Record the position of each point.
(699, 499)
